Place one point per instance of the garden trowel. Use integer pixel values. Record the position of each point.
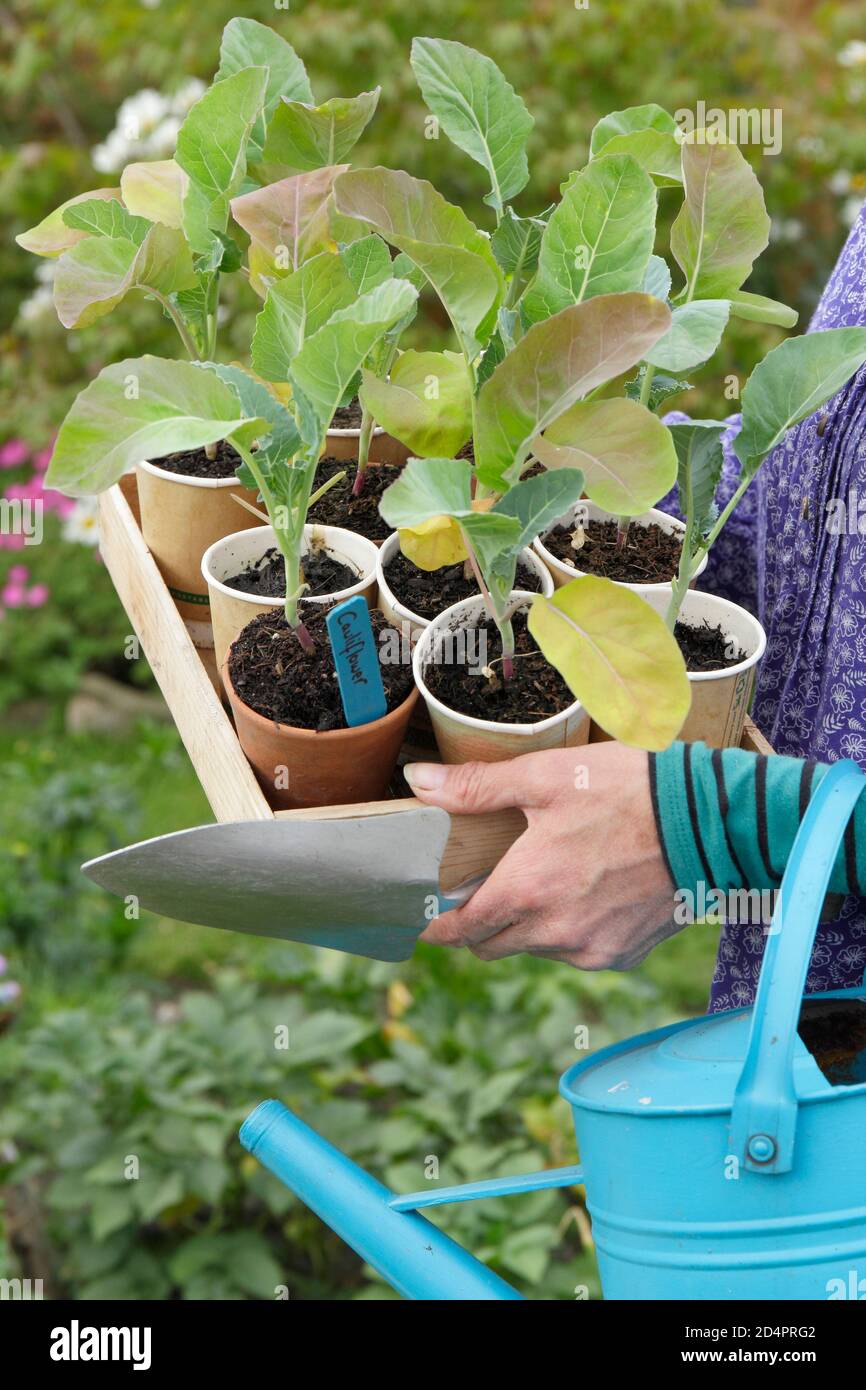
(368, 885)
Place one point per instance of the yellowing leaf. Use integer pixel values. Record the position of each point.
(434, 543)
(618, 657)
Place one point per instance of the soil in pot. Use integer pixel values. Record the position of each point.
(834, 1031)
(274, 676)
(339, 508)
(706, 648)
(194, 463)
(649, 556)
(536, 691)
(429, 592)
(267, 577)
(347, 417)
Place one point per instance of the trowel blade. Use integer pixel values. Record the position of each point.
(363, 885)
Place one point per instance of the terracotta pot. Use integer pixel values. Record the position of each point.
(231, 610)
(462, 739)
(397, 613)
(180, 519)
(564, 573)
(298, 767)
(384, 448)
(720, 699)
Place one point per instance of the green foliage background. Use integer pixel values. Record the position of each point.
(152, 1039)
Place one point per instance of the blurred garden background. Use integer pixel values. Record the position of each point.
(144, 1037)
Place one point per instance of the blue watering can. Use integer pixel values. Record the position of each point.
(720, 1162)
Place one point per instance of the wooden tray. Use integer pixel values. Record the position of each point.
(189, 682)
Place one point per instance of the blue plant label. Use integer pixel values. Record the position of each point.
(357, 662)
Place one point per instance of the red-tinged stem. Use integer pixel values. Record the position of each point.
(507, 668)
(622, 526)
(304, 638)
(364, 437)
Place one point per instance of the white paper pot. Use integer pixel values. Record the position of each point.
(462, 739)
(397, 613)
(231, 610)
(181, 518)
(720, 699)
(563, 573)
(384, 448)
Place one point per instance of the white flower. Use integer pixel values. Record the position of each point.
(41, 299)
(140, 114)
(839, 182)
(853, 54)
(187, 95)
(80, 526)
(850, 211)
(786, 229)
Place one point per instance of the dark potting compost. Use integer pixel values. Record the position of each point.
(649, 556)
(274, 676)
(429, 592)
(347, 417)
(339, 508)
(706, 648)
(194, 463)
(267, 577)
(834, 1031)
(535, 691)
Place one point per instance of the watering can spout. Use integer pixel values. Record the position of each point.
(404, 1247)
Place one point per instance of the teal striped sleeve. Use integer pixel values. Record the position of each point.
(727, 818)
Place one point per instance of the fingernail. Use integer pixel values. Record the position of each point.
(425, 777)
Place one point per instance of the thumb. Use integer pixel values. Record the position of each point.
(471, 787)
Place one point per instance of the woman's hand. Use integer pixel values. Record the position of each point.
(586, 883)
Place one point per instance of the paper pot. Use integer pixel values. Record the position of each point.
(231, 610)
(563, 573)
(384, 448)
(181, 518)
(298, 767)
(397, 613)
(462, 739)
(720, 699)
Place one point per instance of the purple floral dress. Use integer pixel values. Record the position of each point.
(778, 558)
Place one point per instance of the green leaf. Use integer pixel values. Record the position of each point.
(106, 217)
(303, 137)
(657, 280)
(110, 1211)
(478, 110)
(618, 657)
(140, 408)
(426, 403)
(296, 307)
(368, 263)
(155, 189)
(626, 453)
(656, 151)
(556, 363)
(287, 222)
(211, 149)
(598, 241)
(791, 383)
(722, 226)
(757, 309)
(661, 389)
(695, 333)
(538, 501)
(329, 360)
(455, 257)
(282, 439)
(93, 277)
(53, 235)
(248, 44)
(700, 459)
(516, 241)
(428, 487)
(633, 118)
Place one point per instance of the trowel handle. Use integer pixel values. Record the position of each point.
(456, 897)
(764, 1116)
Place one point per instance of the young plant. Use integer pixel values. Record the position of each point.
(791, 383)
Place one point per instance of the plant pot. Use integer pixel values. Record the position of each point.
(231, 610)
(181, 518)
(397, 613)
(720, 699)
(384, 448)
(299, 767)
(563, 573)
(462, 738)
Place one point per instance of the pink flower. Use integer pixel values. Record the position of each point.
(13, 453)
(12, 596)
(37, 596)
(19, 574)
(42, 459)
(11, 541)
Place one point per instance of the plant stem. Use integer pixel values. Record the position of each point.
(364, 437)
(179, 324)
(622, 525)
(326, 487)
(210, 451)
(502, 620)
(646, 388)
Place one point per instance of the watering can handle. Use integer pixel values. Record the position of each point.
(764, 1115)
